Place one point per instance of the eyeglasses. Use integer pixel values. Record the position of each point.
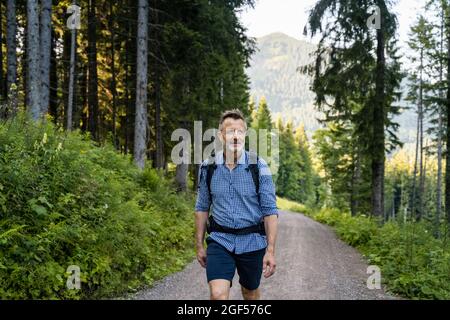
(232, 132)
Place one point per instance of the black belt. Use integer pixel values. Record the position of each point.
(213, 226)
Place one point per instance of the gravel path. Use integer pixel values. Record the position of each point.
(312, 263)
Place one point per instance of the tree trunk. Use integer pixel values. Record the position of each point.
(11, 56)
(33, 83)
(127, 102)
(423, 181)
(24, 67)
(71, 88)
(158, 130)
(439, 138)
(447, 160)
(53, 102)
(130, 78)
(398, 192)
(416, 161)
(378, 155)
(421, 173)
(113, 76)
(83, 110)
(181, 173)
(356, 176)
(140, 130)
(182, 169)
(196, 169)
(45, 46)
(2, 76)
(93, 77)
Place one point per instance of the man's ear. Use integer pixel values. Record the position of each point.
(221, 138)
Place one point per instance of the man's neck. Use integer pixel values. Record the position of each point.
(232, 161)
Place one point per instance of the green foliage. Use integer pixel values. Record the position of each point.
(210, 32)
(355, 231)
(346, 168)
(413, 263)
(285, 204)
(356, 89)
(295, 176)
(65, 202)
(263, 116)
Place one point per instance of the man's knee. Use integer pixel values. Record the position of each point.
(219, 294)
(250, 294)
(220, 289)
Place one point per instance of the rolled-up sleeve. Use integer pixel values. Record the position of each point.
(203, 198)
(268, 200)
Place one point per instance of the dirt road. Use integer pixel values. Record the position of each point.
(312, 263)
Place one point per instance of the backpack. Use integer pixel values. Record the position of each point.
(214, 226)
(253, 167)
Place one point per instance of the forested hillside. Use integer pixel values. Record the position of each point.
(273, 74)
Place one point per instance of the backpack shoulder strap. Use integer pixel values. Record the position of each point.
(255, 175)
(253, 167)
(209, 173)
(210, 167)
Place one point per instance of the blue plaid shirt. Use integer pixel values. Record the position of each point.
(235, 202)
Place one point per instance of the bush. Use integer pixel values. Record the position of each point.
(413, 263)
(64, 201)
(285, 204)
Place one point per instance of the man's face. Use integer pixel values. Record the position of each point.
(232, 134)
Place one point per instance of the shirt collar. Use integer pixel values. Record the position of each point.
(220, 157)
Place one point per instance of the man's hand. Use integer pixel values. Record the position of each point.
(270, 223)
(269, 264)
(201, 256)
(200, 227)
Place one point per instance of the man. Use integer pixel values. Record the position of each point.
(243, 223)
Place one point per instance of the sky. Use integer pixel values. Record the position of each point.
(290, 16)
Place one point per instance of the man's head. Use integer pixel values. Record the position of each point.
(232, 130)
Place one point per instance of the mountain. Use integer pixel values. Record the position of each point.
(273, 74)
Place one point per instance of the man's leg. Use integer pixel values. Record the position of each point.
(249, 267)
(220, 269)
(250, 294)
(219, 289)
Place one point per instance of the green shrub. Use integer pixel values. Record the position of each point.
(328, 216)
(413, 263)
(64, 201)
(285, 204)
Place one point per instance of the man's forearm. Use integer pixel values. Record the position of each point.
(200, 227)
(271, 224)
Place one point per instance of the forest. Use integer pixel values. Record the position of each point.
(92, 90)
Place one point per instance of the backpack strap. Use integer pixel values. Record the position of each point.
(253, 167)
(209, 173)
(214, 226)
(210, 167)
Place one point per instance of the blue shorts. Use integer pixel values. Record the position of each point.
(222, 264)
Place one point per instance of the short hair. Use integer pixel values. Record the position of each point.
(235, 114)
